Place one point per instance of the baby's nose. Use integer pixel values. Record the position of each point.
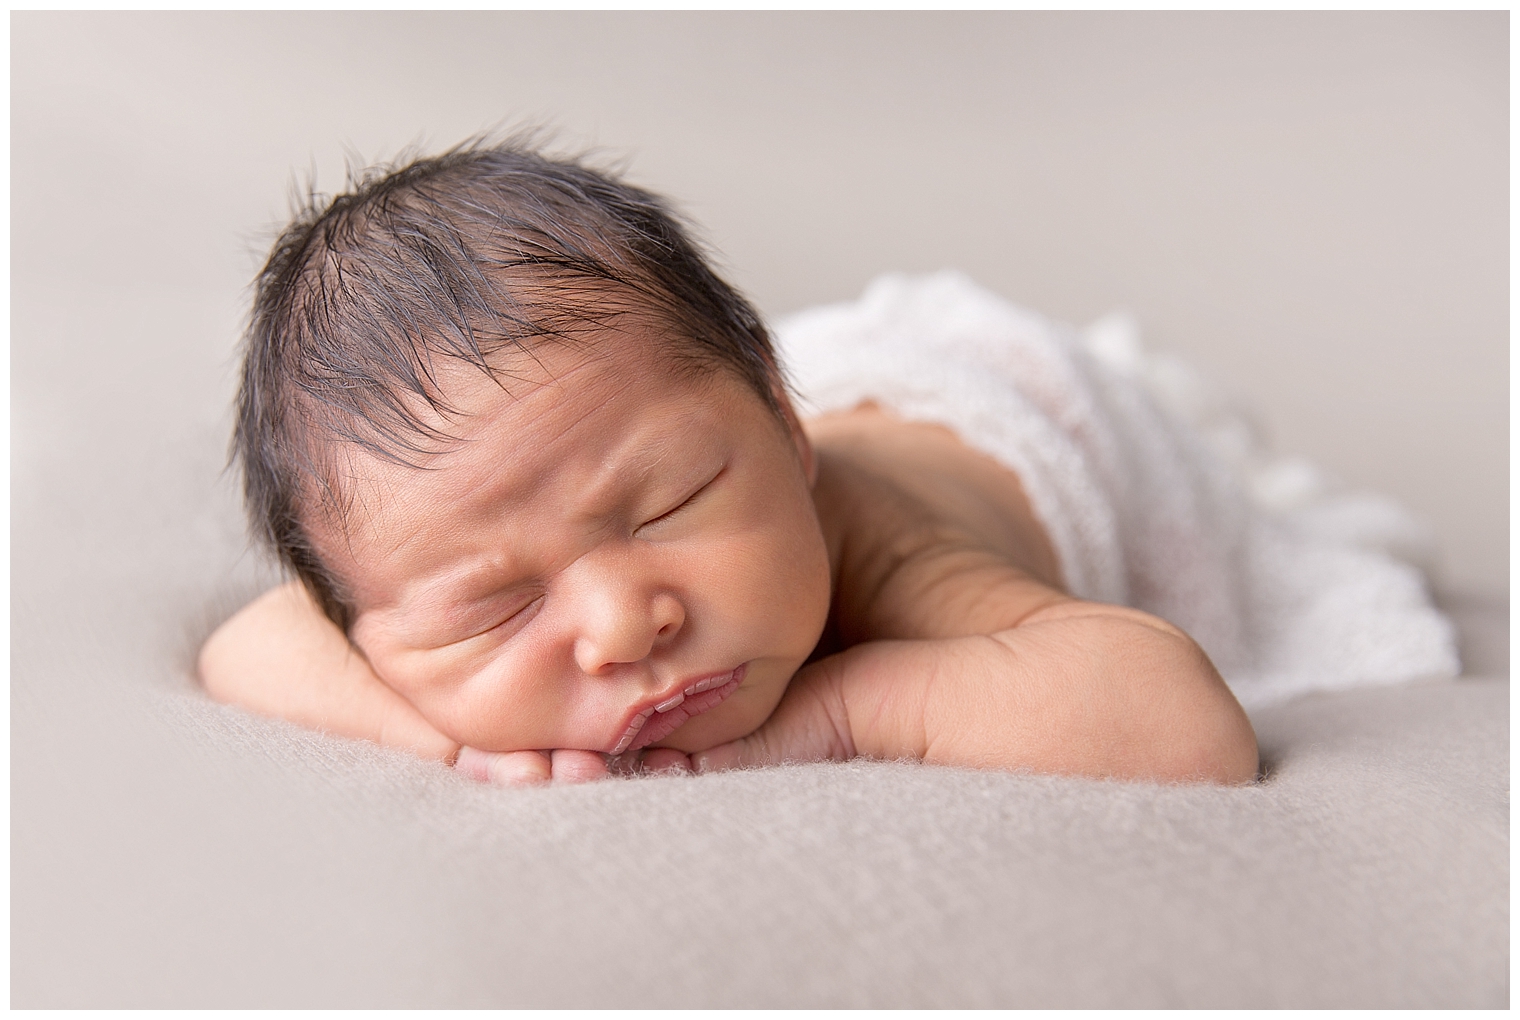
(626, 627)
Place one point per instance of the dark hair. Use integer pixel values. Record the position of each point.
(486, 248)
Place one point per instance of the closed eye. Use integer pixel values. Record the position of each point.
(688, 501)
(514, 621)
(668, 514)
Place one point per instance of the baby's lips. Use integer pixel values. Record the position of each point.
(659, 720)
(632, 731)
(700, 687)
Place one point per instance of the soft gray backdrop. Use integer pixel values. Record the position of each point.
(1313, 207)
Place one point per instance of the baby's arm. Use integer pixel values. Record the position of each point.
(1079, 688)
(280, 657)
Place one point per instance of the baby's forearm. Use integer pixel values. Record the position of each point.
(280, 657)
(1078, 688)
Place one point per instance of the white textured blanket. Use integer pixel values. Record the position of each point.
(1152, 491)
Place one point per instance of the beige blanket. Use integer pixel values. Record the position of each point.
(169, 852)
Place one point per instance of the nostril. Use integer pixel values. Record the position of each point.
(669, 614)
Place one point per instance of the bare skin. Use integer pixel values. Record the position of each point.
(617, 540)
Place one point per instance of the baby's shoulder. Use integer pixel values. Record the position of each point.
(931, 537)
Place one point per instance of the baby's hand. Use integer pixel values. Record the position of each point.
(533, 768)
(810, 724)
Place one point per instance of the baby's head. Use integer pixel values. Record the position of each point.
(535, 458)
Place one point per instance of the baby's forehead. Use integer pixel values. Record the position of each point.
(559, 396)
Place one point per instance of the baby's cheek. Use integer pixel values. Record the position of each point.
(468, 709)
(775, 588)
(492, 719)
(543, 714)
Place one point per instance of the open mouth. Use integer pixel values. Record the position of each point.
(658, 721)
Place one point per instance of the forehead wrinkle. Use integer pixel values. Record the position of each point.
(467, 432)
(611, 473)
(641, 455)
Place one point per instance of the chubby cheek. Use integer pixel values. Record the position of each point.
(474, 702)
(516, 704)
(765, 594)
(775, 559)
(490, 718)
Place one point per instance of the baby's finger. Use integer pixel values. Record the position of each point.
(504, 768)
(745, 752)
(577, 766)
(665, 759)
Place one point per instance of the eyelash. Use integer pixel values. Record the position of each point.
(684, 503)
(508, 619)
(675, 509)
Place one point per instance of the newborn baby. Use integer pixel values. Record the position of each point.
(552, 514)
